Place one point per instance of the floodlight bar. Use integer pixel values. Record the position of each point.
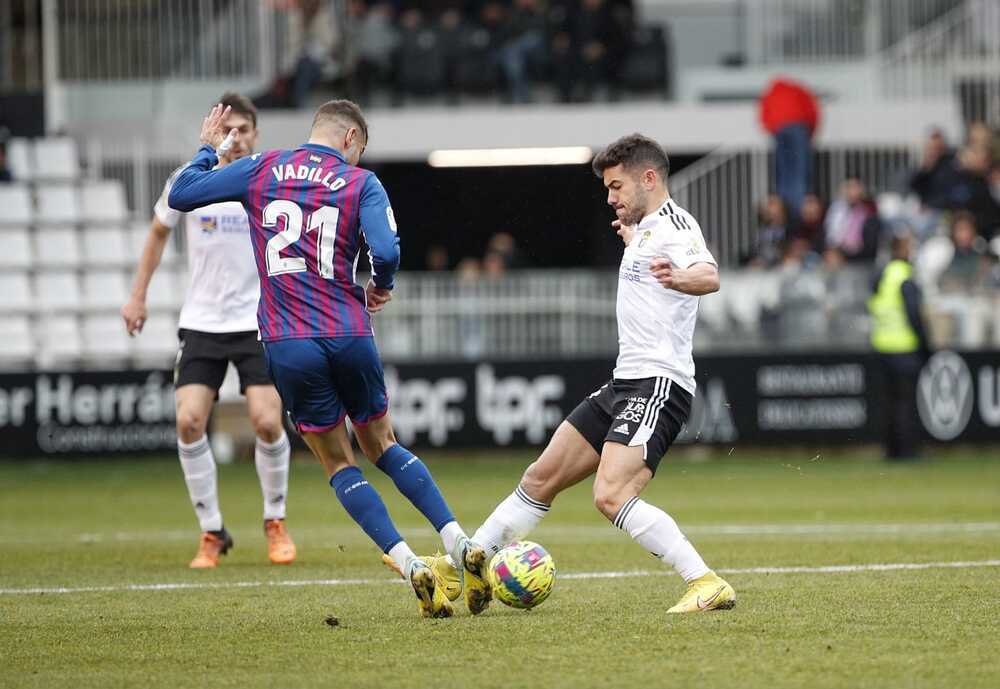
(499, 157)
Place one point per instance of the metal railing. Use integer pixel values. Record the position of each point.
(98, 40)
(958, 55)
(804, 31)
(724, 189)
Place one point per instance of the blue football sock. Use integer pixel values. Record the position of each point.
(365, 506)
(415, 482)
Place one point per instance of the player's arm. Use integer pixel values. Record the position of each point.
(685, 264)
(379, 228)
(165, 219)
(134, 310)
(198, 185)
(697, 279)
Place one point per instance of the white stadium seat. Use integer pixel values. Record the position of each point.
(57, 247)
(106, 247)
(103, 202)
(15, 292)
(15, 249)
(104, 289)
(15, 202)
(18, 343)
(104, 338)
(59, 340)
(58, 291)
(20, 160)
(156, 345)
(56, 159)
(57, 204)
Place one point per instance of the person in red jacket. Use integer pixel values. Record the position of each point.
(790, 112)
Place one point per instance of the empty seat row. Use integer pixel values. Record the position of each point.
(63, 339)
(68, 248)
(52, 158)
(66, 291)
(55, 203)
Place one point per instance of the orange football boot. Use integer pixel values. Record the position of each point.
(210, 548)
(280, 548)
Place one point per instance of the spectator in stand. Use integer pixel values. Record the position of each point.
(972, 192)
(852, 223)
(900, 339)
(522, 45)
(437, 258)
(312, 37)
(375, 45)
(810, 225)
(933, 180)
(969, 269)
(494, 265)
(5, 175)
(790, 112)
(772, 233)
(587, 48)
(504, 245)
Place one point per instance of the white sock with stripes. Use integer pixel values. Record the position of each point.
(198, 465)
(272, 470)
(512, 519)
(657, 532)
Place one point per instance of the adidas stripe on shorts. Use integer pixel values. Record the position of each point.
(647, 413)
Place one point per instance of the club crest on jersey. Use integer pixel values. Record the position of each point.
(208, 224)
(645, 236)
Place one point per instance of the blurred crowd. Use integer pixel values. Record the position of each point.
(951, 209)
(405, 48)
(501, 255)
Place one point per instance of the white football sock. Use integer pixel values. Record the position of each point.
(451, 536)
(272, 470)
(199, 475)
(512, 519)
(657, 532)
(402, 556)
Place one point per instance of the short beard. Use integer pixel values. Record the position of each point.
(638, 211)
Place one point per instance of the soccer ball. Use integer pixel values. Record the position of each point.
(522, 574)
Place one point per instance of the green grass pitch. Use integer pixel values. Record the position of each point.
(111, 525)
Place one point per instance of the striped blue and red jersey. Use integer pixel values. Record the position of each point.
(309, 212)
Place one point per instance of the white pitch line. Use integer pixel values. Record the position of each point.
(827, 569)
(858, 529)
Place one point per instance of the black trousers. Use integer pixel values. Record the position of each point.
(899, 395)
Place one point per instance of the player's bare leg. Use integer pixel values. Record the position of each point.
(363, 503)
(566, 460)
(411, 477)
(194, 404)
(621, 476)
(272, 453)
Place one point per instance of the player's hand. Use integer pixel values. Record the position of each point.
(376, 297)
(626, 232)
(134, 314)
(663, 270)
(213, 131)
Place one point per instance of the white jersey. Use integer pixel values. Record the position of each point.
(655, 324)
(224, 287)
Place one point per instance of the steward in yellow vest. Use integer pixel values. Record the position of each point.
(899, 337)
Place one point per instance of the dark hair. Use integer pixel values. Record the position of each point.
(964, 216)
(631, 151)
(241, 105)
(349, 110)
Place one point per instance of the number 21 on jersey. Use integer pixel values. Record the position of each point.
(322, 220)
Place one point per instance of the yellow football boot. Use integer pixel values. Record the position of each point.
(708, 592)
(444, 573)
(430, 597)
(478, 592)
